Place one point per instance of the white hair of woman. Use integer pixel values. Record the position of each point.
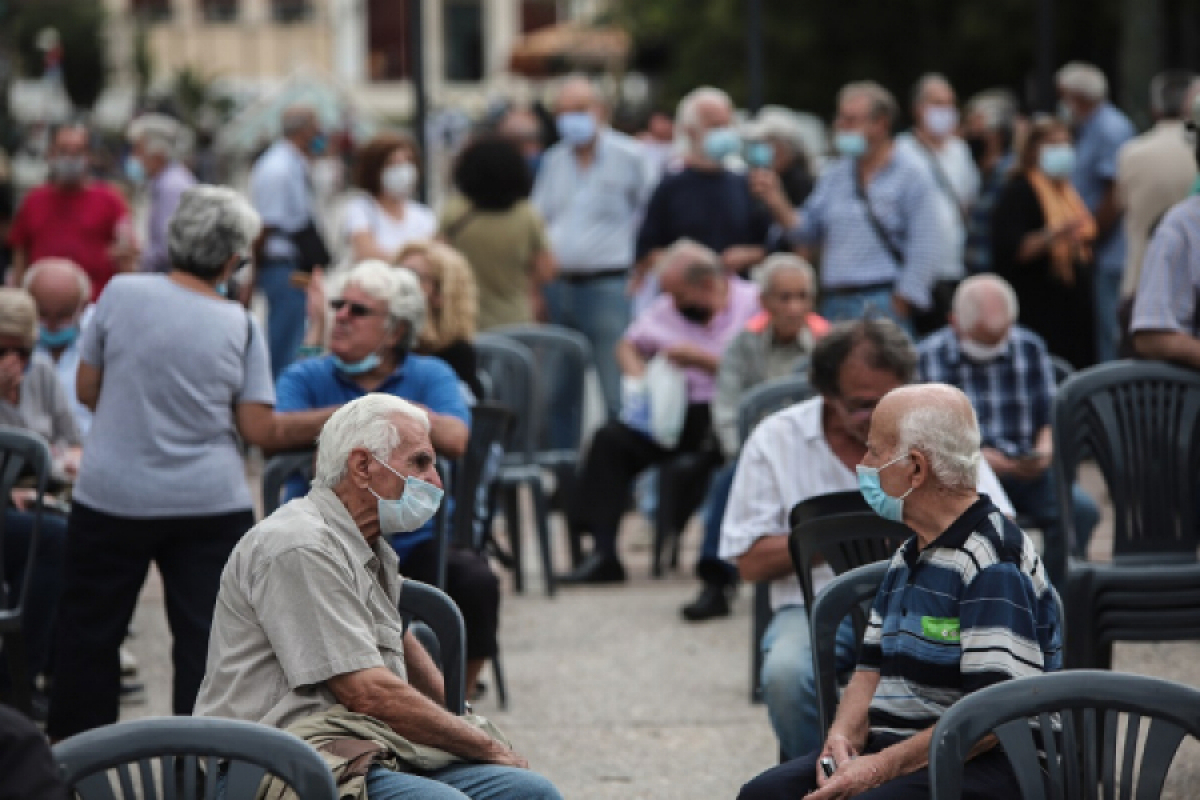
(686, 113)
(211, 225)
(366, 422)
(943, 426)
(18, 315)
(970, 303)
(399, 288)
(159, 134)
(777, 263)
(1083, 79)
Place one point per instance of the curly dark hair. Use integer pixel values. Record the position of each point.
(890, 349)
(369, 161)
(492, 174)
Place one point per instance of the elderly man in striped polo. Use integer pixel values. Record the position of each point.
(965, 604)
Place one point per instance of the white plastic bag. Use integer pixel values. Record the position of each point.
(656, 403)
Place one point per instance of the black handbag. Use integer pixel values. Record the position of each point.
(310, 247)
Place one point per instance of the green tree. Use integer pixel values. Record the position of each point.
(80, 24)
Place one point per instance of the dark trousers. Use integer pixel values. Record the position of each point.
(710, 568)
(46, 580)
(471, 584)
(617, 455)
(986, 777)
(106, 564)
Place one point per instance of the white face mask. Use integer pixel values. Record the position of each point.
(940, 120)
(398, 180)
(982, 352)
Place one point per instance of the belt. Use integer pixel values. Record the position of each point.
(583, 276)
(843, 291)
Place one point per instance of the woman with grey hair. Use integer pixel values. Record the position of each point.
(175, 373)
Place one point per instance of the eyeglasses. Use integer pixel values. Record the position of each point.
(355, 309)
(24, 352)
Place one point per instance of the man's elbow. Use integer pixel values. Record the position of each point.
(1152, 344)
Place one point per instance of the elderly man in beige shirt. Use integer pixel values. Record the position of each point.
(307, 617)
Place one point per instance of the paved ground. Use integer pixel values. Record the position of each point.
(612, 696)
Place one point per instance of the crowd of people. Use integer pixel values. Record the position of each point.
(930, 284)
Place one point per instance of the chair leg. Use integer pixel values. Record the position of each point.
(564, 476)
(501, 687)
(759, 619)
(512, 521)
(542, 522)
(18, 671)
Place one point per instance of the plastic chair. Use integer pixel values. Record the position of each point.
(1063, 369)
(1138, 422)
(433, 607)
(849, 594)
(843, 541)
(278, 470)
(516, 386)
(1090, 752)
(179, 757)
(21, 452)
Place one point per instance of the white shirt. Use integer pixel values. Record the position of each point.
(363, 213)
(959, 171)
(281, 192)
(785, 461)
(66, 367)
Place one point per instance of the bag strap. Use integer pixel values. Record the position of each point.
(876, 225)
(941, 178)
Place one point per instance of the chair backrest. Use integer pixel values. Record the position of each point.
(1139, 421)
(1109, 727)
(490, 427)
(515, 386)
(278, 470)
(849, 594)
(1063, 369)
(432, 606)
(22, 452)
(179, 757)
(562, 357)
(767, 398)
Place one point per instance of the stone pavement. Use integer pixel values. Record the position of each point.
(612, 696)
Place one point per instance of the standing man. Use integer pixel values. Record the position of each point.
(281, 190)
(590, 191)
(156, 140)
(988, 134)
(73, 216)
(1100, 131)
(875, 215)
(62, 293)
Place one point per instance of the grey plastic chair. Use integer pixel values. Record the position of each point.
(278, 470)
(1140, 423)
(21, 452)
(179, 757)
(1098, 718)
(516, 385)
(434, 608)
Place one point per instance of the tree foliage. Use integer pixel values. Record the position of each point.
(80, 24)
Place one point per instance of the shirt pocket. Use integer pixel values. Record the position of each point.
(389, 637)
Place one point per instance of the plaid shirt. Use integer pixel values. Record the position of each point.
(1012, 394)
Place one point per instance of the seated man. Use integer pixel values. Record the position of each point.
(1006, 372)
(307, 615)
(965, 604)
(380, 310)
(62, 292)
(807, 450)
(700, 312)
(761, 352)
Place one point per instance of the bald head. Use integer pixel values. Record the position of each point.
(935, 420)
(60, 290)
(680, 258)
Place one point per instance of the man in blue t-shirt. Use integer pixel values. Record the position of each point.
(379, 310)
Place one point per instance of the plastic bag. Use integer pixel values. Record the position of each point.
(656, 403)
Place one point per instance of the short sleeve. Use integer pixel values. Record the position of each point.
(256, 382)
(998, 628)
(292, 391)
(317, 624)
(91, 341)
(356, 215)
(537, 229)
(756, 507)
(443, 394)
(1166, 296)
(640, 332)
(18, 232)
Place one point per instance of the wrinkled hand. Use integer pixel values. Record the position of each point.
(68, 463)
(686, 355)
(23, 499)
(504, 757)
(853, 777)
(840, 749)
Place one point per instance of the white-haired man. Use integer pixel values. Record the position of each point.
(1100, 130)
(775, 141)
(1005, 370)
(306, 615)
(705, 202)
(63, 293)
(157, 141)
(591, 190)
(965, 604)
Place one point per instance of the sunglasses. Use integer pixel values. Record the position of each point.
(355, 309)
(24, 352)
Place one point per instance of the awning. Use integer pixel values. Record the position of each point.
(569, 46)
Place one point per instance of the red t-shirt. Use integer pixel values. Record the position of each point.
(79, 224)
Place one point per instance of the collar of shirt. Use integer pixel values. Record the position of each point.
(954, 537)
(337, 517)
(803, 340)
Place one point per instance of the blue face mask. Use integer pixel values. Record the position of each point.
(358, 367)
(851, 144)
(412, 509)
(318, 144)
(1057, 160)
(760, 154)
(134, 170)
(576, 128)
(720, 143)
(880, 501)
(63, 337)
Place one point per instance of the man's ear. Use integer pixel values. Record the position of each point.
(357, 464)
(921, 468)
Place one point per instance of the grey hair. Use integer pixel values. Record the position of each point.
(997, 107)
(780, 262)
(211, 225)
(689, 251)
(158, 133)
(1169, 91)
(943, 427)
(1083, 79)
(400, 289)
(47, 264)
(296, 119)
(924, 82)
(18, 315)
(365, 422)
(685, 114)
(966, 305)
(883, 104)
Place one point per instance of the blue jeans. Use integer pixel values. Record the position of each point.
(1107, 293)
(286, 312)
(789, 686)
(856, 305)
(1038, 500)
(710, 568)
(599, 309)
(476, 781)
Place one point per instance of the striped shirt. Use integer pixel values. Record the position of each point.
(972, 609)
